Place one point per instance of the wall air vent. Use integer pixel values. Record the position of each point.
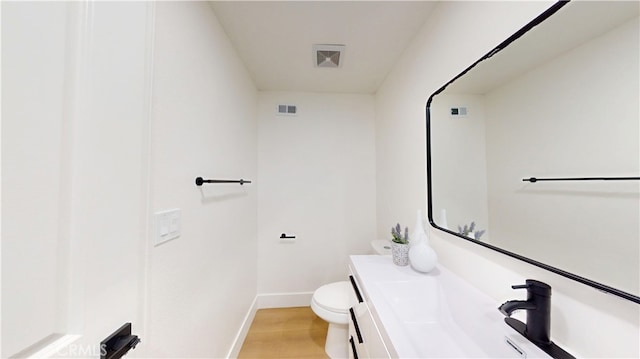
(328, 55)
(458, 112)
(287, 110)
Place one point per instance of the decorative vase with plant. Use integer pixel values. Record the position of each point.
(400, 245)
(470, 232)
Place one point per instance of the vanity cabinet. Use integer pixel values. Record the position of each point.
(365, 340)
(402, 313)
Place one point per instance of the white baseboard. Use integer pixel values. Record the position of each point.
(244, 329)
(263, 301)
(284, 300)
(55, 345)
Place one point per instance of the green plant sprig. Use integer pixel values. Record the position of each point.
(397, 235)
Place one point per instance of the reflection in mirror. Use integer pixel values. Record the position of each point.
(560, 101)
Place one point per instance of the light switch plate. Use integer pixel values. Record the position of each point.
(167, 224)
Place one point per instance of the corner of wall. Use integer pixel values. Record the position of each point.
(241, 335)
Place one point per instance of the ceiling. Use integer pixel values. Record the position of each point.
(274, 39)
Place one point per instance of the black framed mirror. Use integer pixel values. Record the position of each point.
(557, 101)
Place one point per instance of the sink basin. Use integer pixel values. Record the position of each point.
(415, 301)
(422, 309)
(436, 315)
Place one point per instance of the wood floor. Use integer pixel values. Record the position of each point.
(285, 333)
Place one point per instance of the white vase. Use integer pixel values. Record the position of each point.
(421, 256)
(418, 233)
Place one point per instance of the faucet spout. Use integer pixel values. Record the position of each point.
(507, 308)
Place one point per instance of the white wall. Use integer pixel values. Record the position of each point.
(32, 121)
(202, 284)
(579, 313)
(316, 181)
(571, 131)
(86, 164)
(76, 122)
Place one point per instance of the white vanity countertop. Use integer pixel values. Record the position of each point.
(435, 314)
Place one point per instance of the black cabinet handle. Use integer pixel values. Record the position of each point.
(355, 288)
(353, 348)
(118, 343)
(355, 324)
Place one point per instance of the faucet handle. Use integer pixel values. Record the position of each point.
(535, 287)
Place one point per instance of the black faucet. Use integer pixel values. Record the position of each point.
(538, 307)
(538, 327)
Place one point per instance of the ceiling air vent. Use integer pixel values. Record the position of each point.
(328, 55)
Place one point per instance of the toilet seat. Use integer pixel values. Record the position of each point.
(333, 297)
(331, 302)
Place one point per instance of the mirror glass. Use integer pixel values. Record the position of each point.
(560, 101)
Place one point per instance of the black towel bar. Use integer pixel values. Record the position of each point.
(534, 179)
(200, 181)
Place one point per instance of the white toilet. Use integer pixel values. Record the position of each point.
(381, 246)
(331, 303)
